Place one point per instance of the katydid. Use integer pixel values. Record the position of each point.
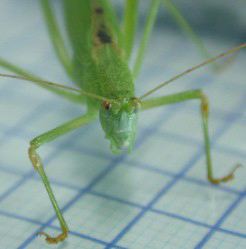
(99, 68)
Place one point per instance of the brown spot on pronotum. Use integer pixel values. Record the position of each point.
(99, 10)
(104, 37)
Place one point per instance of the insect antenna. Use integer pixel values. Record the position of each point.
(206, 62)
(56, 85)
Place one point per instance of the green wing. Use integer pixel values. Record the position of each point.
(80, 26)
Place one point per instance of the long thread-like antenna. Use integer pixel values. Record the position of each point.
(231, 51)
(56, 85)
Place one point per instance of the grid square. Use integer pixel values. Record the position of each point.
(74, 168)
(98, 217)
(148, 117)
(16, 112)
(155, 232)
(132, 184)
(237, 220)
(163, 152)
(188, 124)
(227, 101)
(31, 200)
(93, 138)
(14, 153)
(235, 138)
(14, 231)
(219, 241)
(196, 202)
(59, 112)
(7, 180)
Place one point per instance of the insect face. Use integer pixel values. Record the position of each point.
(119, 120)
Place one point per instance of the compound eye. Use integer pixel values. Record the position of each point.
(106, 105)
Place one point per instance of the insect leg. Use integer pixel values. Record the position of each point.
(144, 40)
(56, 37)
(38, 166)
(186, 27)
(185, 96)
(129, 26)
(188, 30)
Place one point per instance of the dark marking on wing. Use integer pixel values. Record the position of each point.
(103, 36)
(99, 10)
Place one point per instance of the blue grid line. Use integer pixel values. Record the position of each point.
(134, 163)
(165, 213)
(156, 198)
(188, 140)
(230, 121)
(14, 187)
(105, 196)
(32, 172)
(234, 204)
(30, 117)
(22, 134)
(137, 164)
(20, 131)
(190, 179)
(27, 119)
(130, 203)
(221, 114)
(9, 169)
(220, 221)
(70, 186)
(36, 222)
(198, 223)
(160, 212)
(155, 169)
(82, 192)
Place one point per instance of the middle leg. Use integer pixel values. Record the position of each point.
(185, 96)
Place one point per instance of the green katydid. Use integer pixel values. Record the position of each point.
(99, 67)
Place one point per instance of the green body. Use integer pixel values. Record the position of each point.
(98, 61)
(98, 65)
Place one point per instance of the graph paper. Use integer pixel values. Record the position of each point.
(157, 196)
